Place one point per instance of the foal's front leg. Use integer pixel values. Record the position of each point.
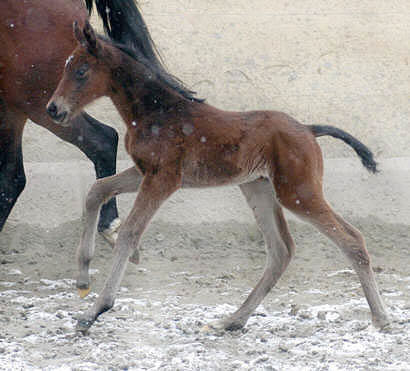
(102, 191)
(154, 190)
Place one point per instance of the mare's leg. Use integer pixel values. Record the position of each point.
(99, 143)
(102, 191)
(154, 190)
(279, 248)
(12, 177)
(304, 197)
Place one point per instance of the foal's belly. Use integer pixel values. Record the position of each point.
(221, 164)
(217, 177)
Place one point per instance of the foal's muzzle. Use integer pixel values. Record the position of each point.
(58, 117)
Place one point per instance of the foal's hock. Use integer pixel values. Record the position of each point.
(176, 141)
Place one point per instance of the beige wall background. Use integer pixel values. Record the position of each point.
(344, 63)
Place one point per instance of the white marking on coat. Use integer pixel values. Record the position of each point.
(69, 59)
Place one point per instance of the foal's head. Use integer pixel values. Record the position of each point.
(85, 77)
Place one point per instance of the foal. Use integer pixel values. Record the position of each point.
(176, 142)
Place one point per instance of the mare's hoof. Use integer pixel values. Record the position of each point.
(83, 292)
(83, 325)
(111, 233)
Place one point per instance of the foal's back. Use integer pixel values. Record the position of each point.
(215, 147)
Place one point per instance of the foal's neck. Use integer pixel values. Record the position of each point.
(138, 91)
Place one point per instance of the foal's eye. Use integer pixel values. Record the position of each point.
(80, 73)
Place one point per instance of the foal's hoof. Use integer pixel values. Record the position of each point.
(387, 328)
(83, 292)
(111, 233)
(83, 325)
(383, 323)
(208, 329)
(222, 325)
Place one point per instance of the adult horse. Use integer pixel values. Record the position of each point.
(36, 38)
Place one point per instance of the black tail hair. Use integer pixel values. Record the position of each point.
(363, 152)
(124, 24)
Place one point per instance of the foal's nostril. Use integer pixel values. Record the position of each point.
(52, 109)
(57, 115)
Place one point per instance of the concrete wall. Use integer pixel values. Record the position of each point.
(344, 63)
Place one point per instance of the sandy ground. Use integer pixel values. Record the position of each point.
(315, 318)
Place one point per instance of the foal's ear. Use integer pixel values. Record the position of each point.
(86, 37)
(91, 39)
(78, 34)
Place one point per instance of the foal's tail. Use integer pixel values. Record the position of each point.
(362, 151)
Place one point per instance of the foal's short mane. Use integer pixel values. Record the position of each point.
(124, 24)
(164, 76)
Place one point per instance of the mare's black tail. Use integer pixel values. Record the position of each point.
(124, 24)
(362, 151)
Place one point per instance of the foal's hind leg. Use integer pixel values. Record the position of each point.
(279, 248)
(317, 211)
(154, 190)
(101, 191)
(12, 177)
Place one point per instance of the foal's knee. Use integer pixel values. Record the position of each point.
(96, 196)
(127, 244)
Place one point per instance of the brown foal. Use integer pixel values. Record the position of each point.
(176, 142)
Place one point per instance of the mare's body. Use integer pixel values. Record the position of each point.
(177, 142)
(36, 38)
